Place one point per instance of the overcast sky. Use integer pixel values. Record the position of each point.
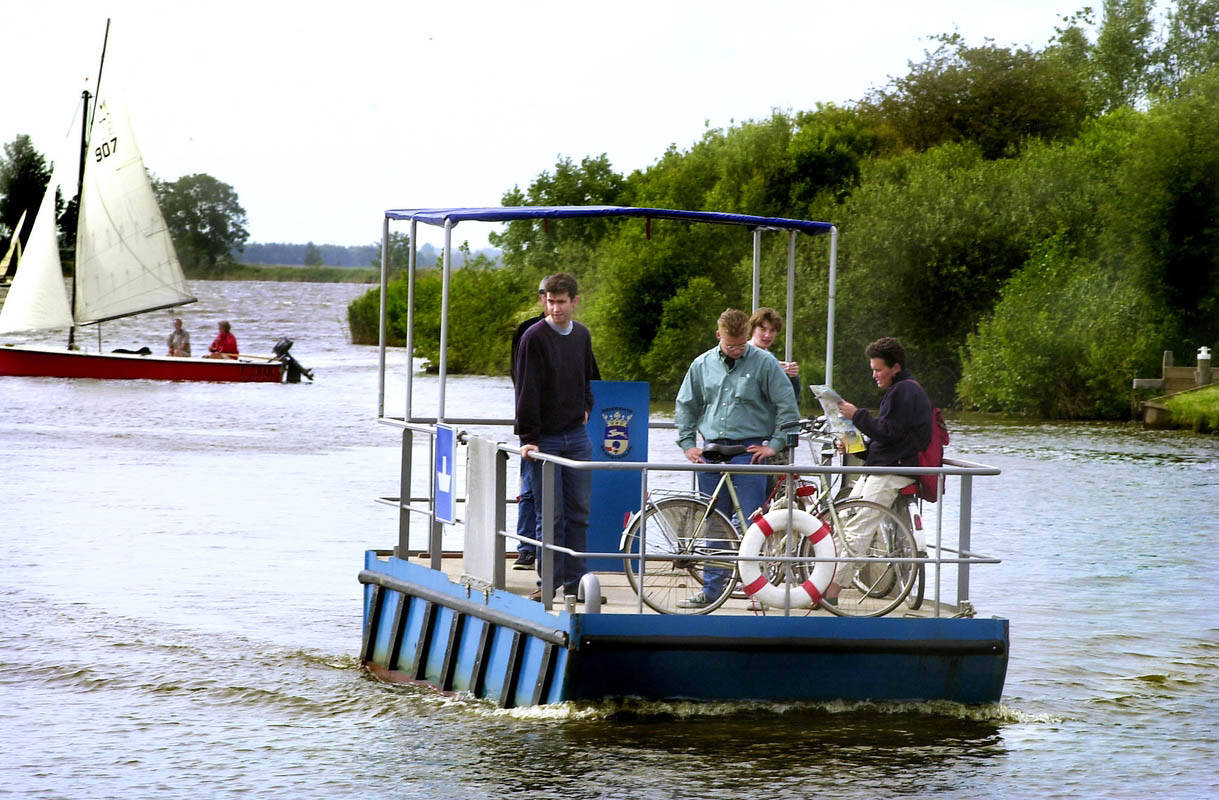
(322, 119)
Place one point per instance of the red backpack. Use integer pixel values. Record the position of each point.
(932, 456)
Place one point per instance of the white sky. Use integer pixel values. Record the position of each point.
(321, 116)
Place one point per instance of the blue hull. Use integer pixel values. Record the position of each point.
(421, 627)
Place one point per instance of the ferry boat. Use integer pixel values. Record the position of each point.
(459, 621)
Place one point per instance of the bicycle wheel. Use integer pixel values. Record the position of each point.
(876, 578)
(879, 586)
(915, 599)
(690, 557)
(777, 544)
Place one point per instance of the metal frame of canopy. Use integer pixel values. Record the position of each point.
(448, 218)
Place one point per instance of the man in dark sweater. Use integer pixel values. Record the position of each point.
(897, 433)
(526, 554)
(553, 370)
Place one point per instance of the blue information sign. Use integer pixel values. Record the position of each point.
(618, 428)
(445, 452)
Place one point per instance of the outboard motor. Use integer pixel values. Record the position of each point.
(295, 369)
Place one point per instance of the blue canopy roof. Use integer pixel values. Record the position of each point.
(441, 216)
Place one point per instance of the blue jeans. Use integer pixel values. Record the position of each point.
(526, 514)
(750, 491)
(571, 503)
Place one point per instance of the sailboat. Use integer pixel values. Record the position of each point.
(125, 265)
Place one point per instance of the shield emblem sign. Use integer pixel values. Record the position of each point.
(617, 442)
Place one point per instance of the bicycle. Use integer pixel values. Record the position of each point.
(673, 545)
(685, 536)
(881, 584)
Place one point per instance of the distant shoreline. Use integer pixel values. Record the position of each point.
(287, 273)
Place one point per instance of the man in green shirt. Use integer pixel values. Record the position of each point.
(733, 394)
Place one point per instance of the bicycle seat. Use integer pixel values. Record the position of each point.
(719, 453)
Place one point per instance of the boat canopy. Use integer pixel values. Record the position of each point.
(452, 216)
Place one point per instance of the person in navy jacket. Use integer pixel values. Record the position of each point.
(897, 432)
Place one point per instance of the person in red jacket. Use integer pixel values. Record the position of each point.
(225, 343)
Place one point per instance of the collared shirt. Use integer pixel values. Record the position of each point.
(749, 401)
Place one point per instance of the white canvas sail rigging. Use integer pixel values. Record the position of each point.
(125, 259)
(37, 300)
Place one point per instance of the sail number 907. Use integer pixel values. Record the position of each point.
(106, 149)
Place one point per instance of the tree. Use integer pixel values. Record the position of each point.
(535, 246)
(1191, 44)
(1122, 55)
(990, 95)
(313, 255)
(24, 175)
(204, 218)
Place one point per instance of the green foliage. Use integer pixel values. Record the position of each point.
(205, 219)
(1031, 252)
(1191, 45)
(644, 292)
(686, 329)
(935, 230)
(1122, 55)
(992, 96)
(484, 309)
(1065, 340)
(24, 175)
(313, 255)
(232, 271)
(1165, 214)
(1197, 409)
(544, 247)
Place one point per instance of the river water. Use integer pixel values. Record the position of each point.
(180, 616)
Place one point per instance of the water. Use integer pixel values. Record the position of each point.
(179, 610)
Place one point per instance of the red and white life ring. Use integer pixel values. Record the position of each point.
(758, 585)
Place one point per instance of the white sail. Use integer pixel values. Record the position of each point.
(14, 249)
(37, 300)
(125, 260)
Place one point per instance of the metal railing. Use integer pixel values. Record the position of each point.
(963, 555)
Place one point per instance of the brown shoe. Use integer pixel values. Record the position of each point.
(536, 594)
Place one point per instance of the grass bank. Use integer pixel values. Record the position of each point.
(260, 272)
(1198, 409)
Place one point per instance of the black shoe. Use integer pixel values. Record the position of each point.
(525, 560)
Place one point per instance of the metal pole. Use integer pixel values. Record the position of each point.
(963, 538)
(501, 517)
(404, 494)
(791, 295)
(757, 268)
(829, 313)
(444, 317)
(381, 326)
(410, 321)
(547, 554)
(642, 565)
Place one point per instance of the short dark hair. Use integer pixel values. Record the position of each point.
(887, 349)
(561, 283)
(766, 316)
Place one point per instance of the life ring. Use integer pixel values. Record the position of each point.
(757, 585)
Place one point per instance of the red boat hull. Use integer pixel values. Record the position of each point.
(38, 362)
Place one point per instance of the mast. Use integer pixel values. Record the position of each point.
(86, 119)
